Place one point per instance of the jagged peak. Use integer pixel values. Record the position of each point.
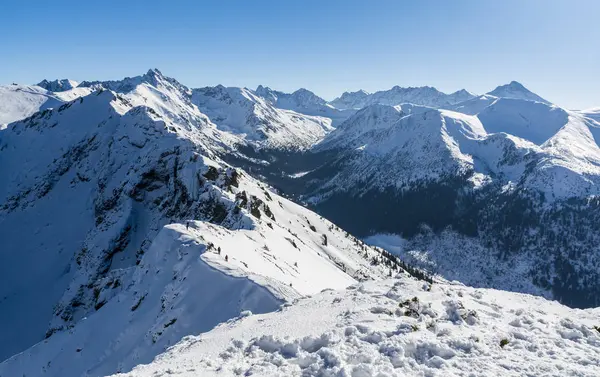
(261, 88)
(413, 88)
(154, 72)
(58, 85)
(153, 77)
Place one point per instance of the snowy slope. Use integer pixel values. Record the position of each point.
(351, 100)
(474, 105)
(355, 131)
(305, 102)
(90, 155)
(391, 145)
(385, 147)
(20, 101)
(396, 327)
(278, 252)
(425, 96)
(535, 122)
(593, 114)
(241, 112)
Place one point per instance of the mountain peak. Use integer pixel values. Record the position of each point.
(261, 88)
(154, 72)
(462, 92)
(305, 97)
(516, 90)
(59, 85)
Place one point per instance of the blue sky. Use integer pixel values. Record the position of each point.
(551, 46)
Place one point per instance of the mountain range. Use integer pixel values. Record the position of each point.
(138, 211)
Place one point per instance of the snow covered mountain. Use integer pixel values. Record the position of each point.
(245, 118)
(351, 100)
(241, 112)
(305, 102)
(425, 96)
(509, 176)
(516, 90)
(121, 181)
(58, 85)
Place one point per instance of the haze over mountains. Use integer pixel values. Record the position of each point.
(135, 212)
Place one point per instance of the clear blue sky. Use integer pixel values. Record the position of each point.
(551, 46)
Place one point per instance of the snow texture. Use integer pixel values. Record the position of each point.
(397, 327)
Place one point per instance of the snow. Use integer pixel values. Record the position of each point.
(533, 121)
(474, 105)
(300, 174)
(141, 234)
(305, 102)
(396, 148)
(20, 101)
(58, 85)
(241, 112)
(200, 274)
(397, 327)
(456, 257)
(516, 90)
(174, 292)
(408, 143)
(92, 158)
(425, 96)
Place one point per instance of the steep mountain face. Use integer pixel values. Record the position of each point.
(58, 85)
(241, 112)
(425, 96)
(90, 157)
(516, 90)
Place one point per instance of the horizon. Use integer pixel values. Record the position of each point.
(326, 48)
(272, 87)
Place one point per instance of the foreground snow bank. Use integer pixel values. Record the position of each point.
(396, 328)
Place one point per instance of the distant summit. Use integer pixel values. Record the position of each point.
(424, 96)
(516, 90)
(58, 85)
